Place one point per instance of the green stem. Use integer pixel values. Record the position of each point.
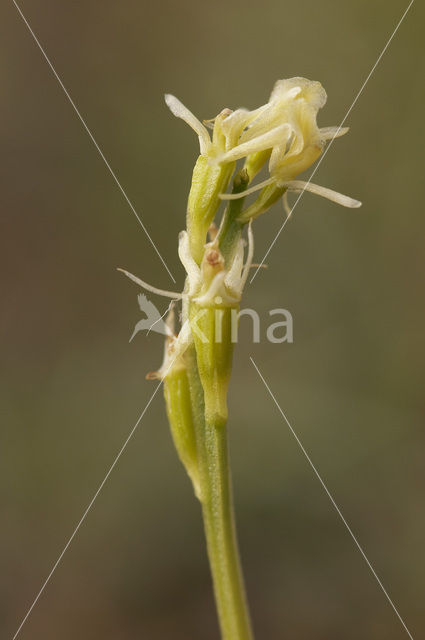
(230, 228)
(222, 543)
(218, 515)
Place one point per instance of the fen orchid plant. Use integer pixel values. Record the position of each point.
(283, 137)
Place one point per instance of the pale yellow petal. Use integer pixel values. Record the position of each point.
(335, 196)
(265, 141)
(329, 133)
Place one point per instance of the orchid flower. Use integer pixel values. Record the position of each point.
(223, 286)
(296, 101)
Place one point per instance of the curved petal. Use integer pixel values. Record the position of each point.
(178, 109)
(286, 206)
(192, 269)
(265, 141)
(233, 275)
(249, 257)
(149, 287)
(330, 194)
(242, 194)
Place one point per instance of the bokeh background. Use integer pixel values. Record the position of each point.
(73, 387)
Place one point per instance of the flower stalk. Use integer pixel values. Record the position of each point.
(218, 515)
(282, 136)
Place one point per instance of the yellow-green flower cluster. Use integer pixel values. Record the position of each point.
(282, 136)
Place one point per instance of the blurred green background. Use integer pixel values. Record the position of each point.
(72, 387)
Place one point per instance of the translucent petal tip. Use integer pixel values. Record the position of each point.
(173, 104)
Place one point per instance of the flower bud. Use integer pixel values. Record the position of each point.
(255, 162)
(211, 329)
(179, 412)
(270, 194)
(210, 316)
(208, 181)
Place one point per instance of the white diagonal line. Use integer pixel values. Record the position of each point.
(93, 139)
(338, 510)
(83, 517)
(335, 136)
